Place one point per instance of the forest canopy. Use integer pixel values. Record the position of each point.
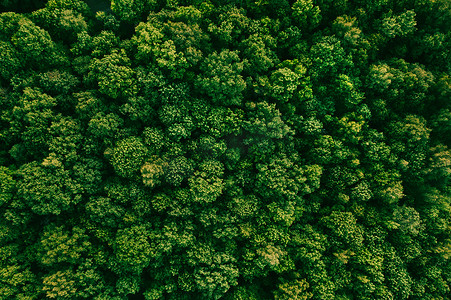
(239, 149)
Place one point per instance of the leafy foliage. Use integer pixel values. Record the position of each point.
(225, 149)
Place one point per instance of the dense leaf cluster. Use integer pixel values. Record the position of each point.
(231, 149)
